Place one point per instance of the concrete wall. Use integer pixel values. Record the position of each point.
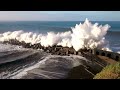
(111, 55)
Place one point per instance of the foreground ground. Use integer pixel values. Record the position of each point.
(110, 72)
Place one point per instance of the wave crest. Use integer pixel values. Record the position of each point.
(86, 35)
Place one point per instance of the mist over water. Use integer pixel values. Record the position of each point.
(83, 35)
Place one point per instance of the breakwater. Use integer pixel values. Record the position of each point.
(59, 50)
(55, 49)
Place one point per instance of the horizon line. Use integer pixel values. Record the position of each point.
(50, 20)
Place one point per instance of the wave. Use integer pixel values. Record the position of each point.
(16, 65)
(13, 63)
(9, 47)
(118, 52)
(52, 67)
(86, 35)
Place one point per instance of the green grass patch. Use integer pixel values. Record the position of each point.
(109, 72)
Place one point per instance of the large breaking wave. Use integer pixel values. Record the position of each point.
(83, 35)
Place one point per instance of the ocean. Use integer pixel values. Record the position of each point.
(112, 36)
(15, 61)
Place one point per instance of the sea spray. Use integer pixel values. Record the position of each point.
(89, 35)
(86, 35)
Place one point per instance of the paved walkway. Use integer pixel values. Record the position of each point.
(109, 60)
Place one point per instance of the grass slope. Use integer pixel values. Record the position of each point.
(109, 72)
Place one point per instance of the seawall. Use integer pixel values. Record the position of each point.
(59, 50)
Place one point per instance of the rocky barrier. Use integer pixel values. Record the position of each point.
(55, 49)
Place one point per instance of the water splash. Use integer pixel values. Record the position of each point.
(83, 35)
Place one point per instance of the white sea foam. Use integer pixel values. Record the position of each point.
(8, 47)
(82, 35)
(118, 52)
(71, 62)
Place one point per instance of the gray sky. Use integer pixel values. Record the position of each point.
(59, 15)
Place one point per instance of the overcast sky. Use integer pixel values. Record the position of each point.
(59, 15)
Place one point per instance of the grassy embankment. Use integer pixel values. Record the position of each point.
(111, 71)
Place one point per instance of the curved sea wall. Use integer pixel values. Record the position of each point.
(56, 49)
(60, 50)
(112, 55)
